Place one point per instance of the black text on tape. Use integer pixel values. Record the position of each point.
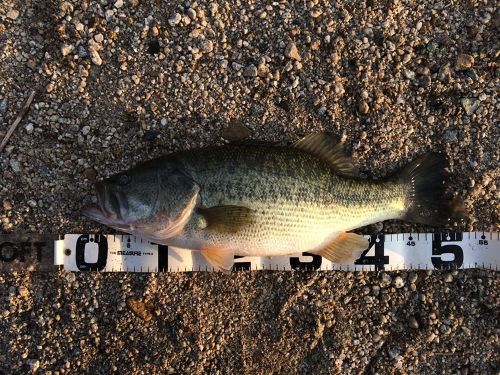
(126, 253)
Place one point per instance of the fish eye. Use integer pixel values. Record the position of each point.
(124, 179)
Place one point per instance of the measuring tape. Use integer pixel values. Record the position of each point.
(126, 253)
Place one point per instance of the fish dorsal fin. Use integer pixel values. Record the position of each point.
(226, 219)
(329, 149)
(345, 248)
(220, 259)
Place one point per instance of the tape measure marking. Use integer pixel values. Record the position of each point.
(126, 253)
(30, 252)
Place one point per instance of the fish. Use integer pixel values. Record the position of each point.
(269, 200)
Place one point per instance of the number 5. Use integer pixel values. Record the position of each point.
(439, 249)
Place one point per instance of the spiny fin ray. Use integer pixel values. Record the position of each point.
(329, 149)
(345, 248)
(220, 259)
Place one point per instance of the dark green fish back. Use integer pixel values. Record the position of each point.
(261, 173)
(297, 198)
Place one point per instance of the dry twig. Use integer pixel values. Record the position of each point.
(18, 119)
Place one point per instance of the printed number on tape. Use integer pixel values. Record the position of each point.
(125, 253)
(110, 253)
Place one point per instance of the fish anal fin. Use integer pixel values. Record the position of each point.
(220, 259)
(227, 219)
(345, 248)
(329, 149)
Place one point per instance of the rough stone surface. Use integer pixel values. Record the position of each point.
(100, 109)
(292, 51)
(13, 14)
(464, 62)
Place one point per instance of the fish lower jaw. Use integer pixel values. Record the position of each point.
(96, 213)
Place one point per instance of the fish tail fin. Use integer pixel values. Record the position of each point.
(427, 201)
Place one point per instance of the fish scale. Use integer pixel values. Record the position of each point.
(298, 199)
(268, 200)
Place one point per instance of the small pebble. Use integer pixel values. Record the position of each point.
(23, 291)
(29, 128)
(66, 49)
(339, 88)
(139, 308)
(431, 337)
(13, 14)
(207, 46)
(7, 205)
(363, 107)
(82, 52)
(386, 280)
(15, 165)
(175, 19)
(99, 38)
(151, 135)
(470, 105)
(34, 365)
(450, 136)
(86, 130)
(96, 58)
(90, 174)
(70, 277)
(250, 71)
(292, 52)
(235, 131)
(393, 353)
(464, 62)
(398, 282)
(412, 277)
(191, 13)
(445, 329)
(315, 13)
(413, 323)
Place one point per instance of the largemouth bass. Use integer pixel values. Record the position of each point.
(268, 200)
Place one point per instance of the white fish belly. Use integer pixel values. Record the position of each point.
(285, 228)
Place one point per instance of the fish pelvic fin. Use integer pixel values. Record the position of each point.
(227, 219)
(221, 259)
(330, 149)
(427, 201)
(345, 248)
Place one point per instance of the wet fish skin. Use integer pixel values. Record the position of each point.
(298, 200)
(265, 200)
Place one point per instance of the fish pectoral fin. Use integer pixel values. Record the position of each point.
(226, 219)
(329, 149)
(345, 248)
(220, 259)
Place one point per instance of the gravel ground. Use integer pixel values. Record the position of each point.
(123, 81)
